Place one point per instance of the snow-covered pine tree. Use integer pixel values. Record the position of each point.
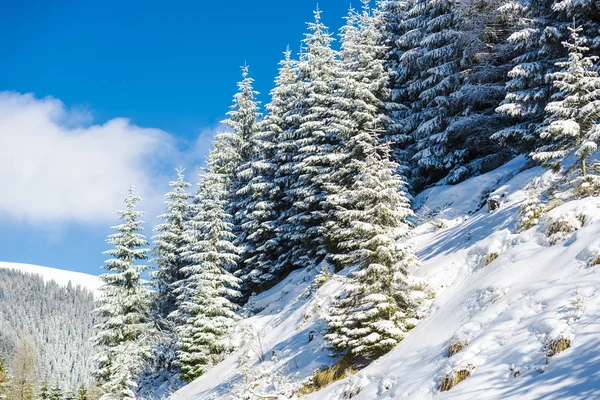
(82, 393)
(244, 123)
(571, 124)
(541, 26)
(397, 21)
(168, 250)
(234, 147)
(367, 319)
(4, 380)
(320, 134)
(536, 41)
(365, 79)
(471, 120)
(259, 269)
(368, 209)
(439, 51)
(24, 369)
(209, 287)
(124, 324)
(253, 188)
(55, 393)
(169, 245)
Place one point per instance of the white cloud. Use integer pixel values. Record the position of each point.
(53, 169)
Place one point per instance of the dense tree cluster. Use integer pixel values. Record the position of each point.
(419, 93)
(45, 333)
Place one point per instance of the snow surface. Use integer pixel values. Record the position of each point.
(507, 311)
(62, 277)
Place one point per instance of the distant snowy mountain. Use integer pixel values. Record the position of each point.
(514, 312)
(62, 277)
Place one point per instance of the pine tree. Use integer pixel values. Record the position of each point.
(23, 369)
(243, 121)
(364, 79)
(55, 393)
(536, 41)
(471, 120)
(367, 319)
(394, 22)
(4, 380)
(168, 250)
(401, 24)
(209, 286)
(82, 393)
(571, 125)
(45, 391)
(124, 325)
(540, 27)
(320, 133)
(259, 267)
(250, 182)
(169, 244)
(368, 208)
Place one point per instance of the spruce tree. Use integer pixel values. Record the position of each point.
(251, 181)
(571, 124)
(259, 267)
(317, 139)
(45, 391)
(536, 42)
(209, 287)
(401, 26)
(168, 257)
(368, 208)
(243, 121)
(82, 393)
(367, 319)
(24, 369)
(55, 393)
(169, 244)
(4, 380)
(124, 325)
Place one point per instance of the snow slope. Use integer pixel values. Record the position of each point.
(508, 311)
(62, 277)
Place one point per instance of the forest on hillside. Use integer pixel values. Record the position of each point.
(418, 93)
(45, 332)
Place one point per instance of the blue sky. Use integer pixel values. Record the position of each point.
(97, 95)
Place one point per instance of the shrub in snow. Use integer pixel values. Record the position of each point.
(561, 228)
(455, 377)
(588, 185)
(530, 213)
(491, 257)
(571, 119)
(556, 346)
(327, 376)
(456, 345)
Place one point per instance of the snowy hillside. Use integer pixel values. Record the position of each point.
(48, 324)
(62, 277)
(503, 301)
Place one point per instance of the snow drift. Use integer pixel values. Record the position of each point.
(516, 314)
